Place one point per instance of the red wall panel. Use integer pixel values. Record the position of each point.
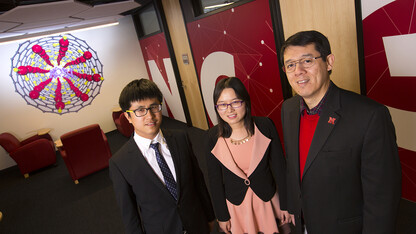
(159, 67)
(395, 91)
(246, 33)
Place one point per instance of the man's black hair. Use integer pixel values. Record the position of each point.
(138, 90)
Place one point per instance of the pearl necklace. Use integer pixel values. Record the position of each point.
(242, 141)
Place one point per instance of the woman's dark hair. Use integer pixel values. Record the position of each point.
(138, 90)
(305, 38)
(241, 92)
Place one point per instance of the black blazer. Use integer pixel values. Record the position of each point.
(224, 183)
(146, 204)
(352, 177)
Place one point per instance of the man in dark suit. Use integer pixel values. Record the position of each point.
(343, 167)
(158, 184)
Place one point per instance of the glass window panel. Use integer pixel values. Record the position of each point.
(148, 20)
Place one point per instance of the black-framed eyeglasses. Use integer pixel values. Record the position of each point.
(142, 111)
(224, 106)
(305, 62)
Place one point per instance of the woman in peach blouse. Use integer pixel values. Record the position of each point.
(246, 166)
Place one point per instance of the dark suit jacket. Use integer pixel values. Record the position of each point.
(352, 177)
(146, 204)
(228, 182)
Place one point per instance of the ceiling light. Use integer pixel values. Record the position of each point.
(53, 33)
(219, 5)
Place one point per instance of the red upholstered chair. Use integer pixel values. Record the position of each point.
(84, 151)
(122, 124)
(34, 153)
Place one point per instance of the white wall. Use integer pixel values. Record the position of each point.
(119, 51)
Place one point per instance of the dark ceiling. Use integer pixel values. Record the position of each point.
(6, 5)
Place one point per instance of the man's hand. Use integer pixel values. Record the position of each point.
(284, 217)
(225, 226)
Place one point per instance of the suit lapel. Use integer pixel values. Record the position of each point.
(222, 153)
(261, 143)
(327, 122)
(137, 158)
(173, 147)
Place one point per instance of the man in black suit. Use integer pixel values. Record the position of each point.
(158, 184)
(343, 167)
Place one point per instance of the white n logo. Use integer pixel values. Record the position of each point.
(171, 96)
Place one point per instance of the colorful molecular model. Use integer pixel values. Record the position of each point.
(58, 74)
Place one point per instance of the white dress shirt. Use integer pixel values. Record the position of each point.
(150, 156)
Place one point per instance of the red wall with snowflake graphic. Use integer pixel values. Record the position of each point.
(236, 43)
(389, 31)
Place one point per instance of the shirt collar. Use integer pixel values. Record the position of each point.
(318, 108)
(145, 142)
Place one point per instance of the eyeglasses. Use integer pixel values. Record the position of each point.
(305, 62)
(234, 104)
(142, 111)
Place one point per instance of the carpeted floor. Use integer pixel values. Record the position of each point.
(49, 202)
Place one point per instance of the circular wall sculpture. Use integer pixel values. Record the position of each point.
(57, 74)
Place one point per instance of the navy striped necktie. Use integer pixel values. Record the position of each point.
(167, 174)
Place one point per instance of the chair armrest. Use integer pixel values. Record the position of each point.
(63, 153)
(104, 136)
(35, 138)
(67, 162)
(58, 143)
(43, 131)
(107, 146)
(117, 109)
(29, 149)
(116, 114)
